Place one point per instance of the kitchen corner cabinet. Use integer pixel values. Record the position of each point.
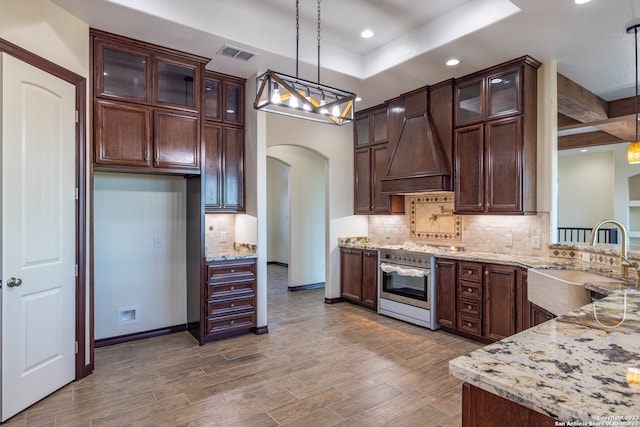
(224, 144)
(486, 302)
(146, 106)
(495, 140)
(371, 160)
(539, 315)
(228, 302)
(359, 277)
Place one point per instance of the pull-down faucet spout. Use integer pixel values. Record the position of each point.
(624, 261)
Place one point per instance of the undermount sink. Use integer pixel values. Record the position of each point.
(559, 291)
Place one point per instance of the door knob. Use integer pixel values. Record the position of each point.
(13, 282)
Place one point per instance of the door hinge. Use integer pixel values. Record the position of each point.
(76, 347)
(76, 270)
(77, 193)
(77, 116)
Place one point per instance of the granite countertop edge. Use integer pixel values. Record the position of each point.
(229, 256)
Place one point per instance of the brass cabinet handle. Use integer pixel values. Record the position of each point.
(469, 290)
(469, 307)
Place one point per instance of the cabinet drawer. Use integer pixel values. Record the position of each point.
(471, 271)
(230, 289)
(469, 324)
(231, 305)
(470, 307)
(229, 323)
(469, 290)
(227, 270)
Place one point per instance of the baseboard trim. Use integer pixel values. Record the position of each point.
(261, 330)
(305, 287)
(333, 300)
(138, 336)
(281, 264)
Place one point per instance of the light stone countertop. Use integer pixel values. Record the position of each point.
(571, 368)
(229, 255)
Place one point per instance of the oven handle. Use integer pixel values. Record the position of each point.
(404, 271)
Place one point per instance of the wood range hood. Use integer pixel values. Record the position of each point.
(420, 137)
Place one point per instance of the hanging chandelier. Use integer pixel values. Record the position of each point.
(291, 96)
(633, 152)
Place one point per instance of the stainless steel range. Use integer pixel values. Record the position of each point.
(407, 287)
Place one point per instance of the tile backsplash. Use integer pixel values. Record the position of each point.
(429, 220)
(219, 227)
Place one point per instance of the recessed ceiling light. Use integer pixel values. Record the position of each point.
(584, 150)
(452, 62)
(582, 1)
(358, 99)
(366, 34)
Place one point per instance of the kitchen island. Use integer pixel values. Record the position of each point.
(572, 369)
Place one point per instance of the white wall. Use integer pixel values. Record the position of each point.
(307, 213)
(335, 143)
(47, 30)
(130, 211)
(278, 179)
(585, 188)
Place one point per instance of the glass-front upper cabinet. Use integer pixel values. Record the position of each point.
(233, 103)
(380, 127)
(212, 98)
(177, 83)
(122, 73)
(469, 101)
(503, 93)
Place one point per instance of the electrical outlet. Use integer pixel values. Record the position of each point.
(535, 242)
(157, 242)
(585, 256)
(223, 236)
(508, 240)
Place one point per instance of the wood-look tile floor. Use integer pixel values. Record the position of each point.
(319, 365)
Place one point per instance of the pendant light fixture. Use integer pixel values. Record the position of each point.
(291, 96)
(633, 152)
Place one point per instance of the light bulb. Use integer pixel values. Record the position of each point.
(322, 102)
(306, 106)
(275, 96)
(293, 102)
(335, 111)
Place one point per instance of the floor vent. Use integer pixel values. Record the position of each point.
(234, 52)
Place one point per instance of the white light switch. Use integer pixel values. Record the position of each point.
(508, 240)
(535, 242)
(223, 236)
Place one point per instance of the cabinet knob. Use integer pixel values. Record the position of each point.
(469, 324)
(233, 270)
(232, 322)
(469, 307)
(469, 272)
(469, 290)
(232, 287)
(232, 305)
(486, 273)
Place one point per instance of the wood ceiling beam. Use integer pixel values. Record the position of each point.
(586, 140)
(578, 103)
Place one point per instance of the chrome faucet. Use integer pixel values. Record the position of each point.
(624, 261)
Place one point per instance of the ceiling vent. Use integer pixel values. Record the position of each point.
(234, 52)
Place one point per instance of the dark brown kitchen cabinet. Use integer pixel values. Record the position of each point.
(539, 315)
(228, 299)
(224, 98)
(371, 160)
(499, 301)
(147, 114)
(446, 292)
(359, 277)
(486, 302)
(223, 169)
(495, 140)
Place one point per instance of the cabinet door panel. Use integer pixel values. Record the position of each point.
(212, 166)
(233, 103)
(370, 279)
(446, 293)
(213, 98)
(176, 140)
(469, 169)
(122, 73)
(469, 101)
(504, 165)
(177, 83)
(361, 130)
(499, 301)
(362, 181)
(122, 134)
(504, 93)
(380, 164)
(233, 172)
(351, 274)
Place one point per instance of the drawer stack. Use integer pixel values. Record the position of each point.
(470, 298)
(231, 296)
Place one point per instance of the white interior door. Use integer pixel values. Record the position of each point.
(38, 234)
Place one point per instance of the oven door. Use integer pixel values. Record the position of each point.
(405, 284)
